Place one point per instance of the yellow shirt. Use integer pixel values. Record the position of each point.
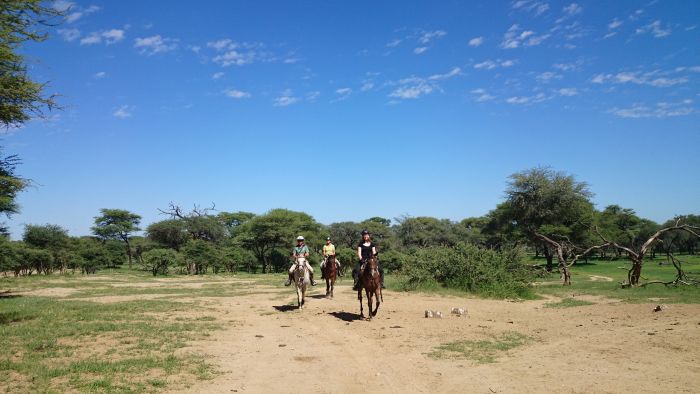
(328, 250)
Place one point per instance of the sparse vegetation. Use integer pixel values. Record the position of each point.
(482, 351)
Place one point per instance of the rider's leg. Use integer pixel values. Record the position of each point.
(337, 264)
(311, 274)
(291, 276)
(323, 266)
(381, 276)
(356, 275)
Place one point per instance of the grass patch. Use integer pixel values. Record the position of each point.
(568, 303)
(49, 345)
(481, 352)
(654, 269)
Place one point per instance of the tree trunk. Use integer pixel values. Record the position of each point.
(548, 255)
(128, 250)
(635, 273)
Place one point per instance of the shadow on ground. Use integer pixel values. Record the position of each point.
(285, 308)
(346, 316)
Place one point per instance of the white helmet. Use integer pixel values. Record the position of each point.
(300, 238)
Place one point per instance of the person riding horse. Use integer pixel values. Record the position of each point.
(301, 250)
(328, 250)
(365, 250)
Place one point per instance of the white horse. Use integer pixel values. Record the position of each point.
(301, 279)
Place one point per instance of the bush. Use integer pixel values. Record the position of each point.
(469, 268)
(157, 261)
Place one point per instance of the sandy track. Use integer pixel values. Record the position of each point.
(609, 347)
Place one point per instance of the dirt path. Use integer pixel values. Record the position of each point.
(612, 347)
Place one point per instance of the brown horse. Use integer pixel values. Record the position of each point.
(330, 273)
(371, 282)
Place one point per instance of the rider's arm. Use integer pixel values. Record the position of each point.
(374, 251)
(359, 252)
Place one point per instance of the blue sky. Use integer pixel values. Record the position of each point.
(348, 110)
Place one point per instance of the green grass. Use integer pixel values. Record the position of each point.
(49, 345)
(481, 352)
(617, 271)
(568, 303)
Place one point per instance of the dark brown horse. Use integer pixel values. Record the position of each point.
(371, 282)
(330, 272)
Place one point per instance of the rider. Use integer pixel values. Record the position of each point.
(365, 250)
(301, 250)
(329, 250)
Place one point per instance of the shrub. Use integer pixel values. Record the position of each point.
(157, 261)
(469, 268)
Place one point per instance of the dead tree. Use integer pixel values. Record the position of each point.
(565, 249)
(637, 255)
(175, 211)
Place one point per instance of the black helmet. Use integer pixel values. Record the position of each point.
(365, 232)
(328, 238)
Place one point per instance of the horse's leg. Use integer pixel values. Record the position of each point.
(359, 297)
(332, 286)
(328, 286)
(377, 302)
(369, 304)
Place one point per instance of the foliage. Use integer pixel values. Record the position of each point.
(469, 268)
(158, 261)
(171, 233)
(20, 97)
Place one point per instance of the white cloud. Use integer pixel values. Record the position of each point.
(343, 91)
(236, 94)
(286, 98)
(69, 34)
(430, 35)
(573, 9)
(639, 78)
(97, 37)
(568, 66)
(654, 28)
(123, 112)
(454, 72)
(536, 7)
(155, 44)
(62, 5)
(412, 88)
(223, 44)
(312, 96)
(232, 53)
(393, 43)
(476, 41)
(482, 95)
(614, 24)
(568, 92)
(490, 64)
(548, 76)
(486, 65)
(660, 110)
(515, 37)
(539, 97)
(80, 12)
(420, 50)
(217, 75)
(367, 85)
(290, 60)
(100, 75)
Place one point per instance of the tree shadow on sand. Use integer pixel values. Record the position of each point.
(346, 316)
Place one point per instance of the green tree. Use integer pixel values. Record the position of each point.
(426, 231)
(544, 201)
(117, 224)
(21, 98)
(277, 229)
(10, 185)
(157, 261)
(171, 233)
(49, 237)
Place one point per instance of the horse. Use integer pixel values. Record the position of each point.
(330, 273)
(371, 282)
(301, 280)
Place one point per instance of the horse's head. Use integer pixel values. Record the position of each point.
(331, 259)
(300, 262)
(372, 266)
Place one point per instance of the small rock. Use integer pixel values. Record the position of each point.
(259, 336)
(282, 345)
(428, 313)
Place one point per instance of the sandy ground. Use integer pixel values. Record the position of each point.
(610, 347)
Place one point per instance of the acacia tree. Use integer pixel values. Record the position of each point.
(10, 185)
(20, 97)
(49, 237)
(566, 250)
(637, 254)
(117, 224)
(541, 200)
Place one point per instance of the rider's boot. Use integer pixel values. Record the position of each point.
(337, 267)
(289, 280)
(381, 281)
(356, 283)
(311, 276)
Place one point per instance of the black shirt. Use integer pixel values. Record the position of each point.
(366, 251)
